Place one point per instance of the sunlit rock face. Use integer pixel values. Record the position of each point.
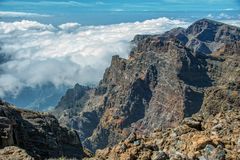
(167, 77)
(212, 138)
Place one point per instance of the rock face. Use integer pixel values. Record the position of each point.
(39, 134)
(166, 78)
(213, 138)
(71, 103)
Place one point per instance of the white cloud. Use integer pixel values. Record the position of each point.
(224, 16)
(66, 54)
(65, 3)
(229, 9)
(210, 16)
(69, 27)
(232, 22)
(24, 26)
(21, 14)
(9, 83)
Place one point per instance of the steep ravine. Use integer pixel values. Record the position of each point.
(167, 77)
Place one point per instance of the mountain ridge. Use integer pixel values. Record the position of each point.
(177, 96)
(167, 77)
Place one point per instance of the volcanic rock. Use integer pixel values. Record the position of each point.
(39, 135)
(166, 78)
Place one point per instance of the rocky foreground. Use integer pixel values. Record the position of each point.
(35, 135)
(213, 138)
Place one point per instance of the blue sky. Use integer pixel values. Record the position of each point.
(96, 12)
(118, 5)
(109, 8)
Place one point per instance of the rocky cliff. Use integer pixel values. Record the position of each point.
(167, 77)
(39, 136)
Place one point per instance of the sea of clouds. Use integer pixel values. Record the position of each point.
(36, 54)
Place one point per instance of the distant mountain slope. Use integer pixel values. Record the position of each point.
(39, 98)
(166, 78)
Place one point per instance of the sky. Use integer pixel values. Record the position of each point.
(97, 12)
(52, 6)
(67, 42)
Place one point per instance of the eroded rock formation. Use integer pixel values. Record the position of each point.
(167, 77)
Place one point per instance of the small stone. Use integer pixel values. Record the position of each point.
(220, 155)
(159, 155)
(136, 143)
(209, 148)
(131, 138)
(176, 157)
(122, 148)
(202, 158)
(227, 146)
(192, 123)
(238, 142)
(217, 127)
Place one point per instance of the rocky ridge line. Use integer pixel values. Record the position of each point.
(166, 78)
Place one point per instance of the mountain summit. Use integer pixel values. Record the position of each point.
(166, 78)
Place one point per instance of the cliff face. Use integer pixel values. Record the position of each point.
(39, 134)
(166, 78)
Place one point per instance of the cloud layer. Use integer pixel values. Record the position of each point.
(34, 54)
(66, 54)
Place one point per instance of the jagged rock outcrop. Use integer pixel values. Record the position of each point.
(213, 138)
(167, 77)
(39, 134)
(71, 104)
(14, 153)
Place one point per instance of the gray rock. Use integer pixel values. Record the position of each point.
(159, 155)
(132, 137)
(202, 158)
(137, 143)
(192, 123)
(38, 133)
(209, 149)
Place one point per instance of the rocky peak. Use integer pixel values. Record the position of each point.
(201, 25)
(203, 37)
(77, 92)
(74, 98)
(207, 36)
(167, 77)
